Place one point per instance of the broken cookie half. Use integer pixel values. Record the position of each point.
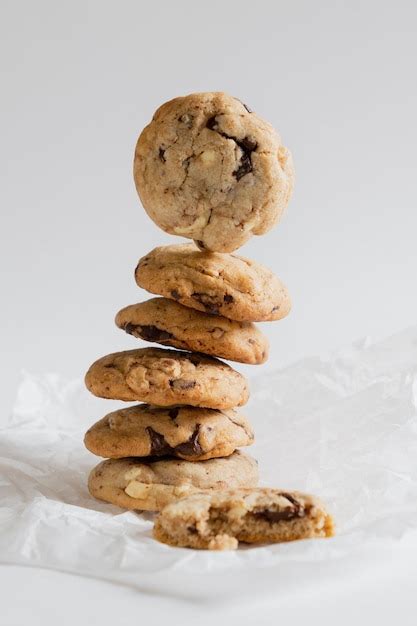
(219, 521)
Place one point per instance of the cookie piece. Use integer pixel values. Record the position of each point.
(150, 485)
(219, 284)
(209, 169)
(218, 521)
(186, 432)
(167, 377)
(169, 323)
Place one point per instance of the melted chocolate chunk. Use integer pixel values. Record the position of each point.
(228, 298)
(208, 302)
(161, 155)
(173, 413)
(246, 144)
(287, 513)
(148, 333)
(277, 516)
(159, 446)
(182, 384)
(175, 294)
(194, 358)
(211, 123)
(192, 446)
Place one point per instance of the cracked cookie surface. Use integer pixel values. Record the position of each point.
(220, 284)
(169, 323)
(149, 485)
(209, 169)
(166, 378)
(218, 521)
(186, 432)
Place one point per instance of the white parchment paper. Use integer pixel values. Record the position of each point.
(343, 427)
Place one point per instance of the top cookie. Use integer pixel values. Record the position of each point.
(220, 284)
(209, 169)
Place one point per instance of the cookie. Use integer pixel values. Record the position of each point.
(169, 323)
(218, 521)
(149, 485)
(209, 169)
(167, 377)
(186, 432)
(219, 284)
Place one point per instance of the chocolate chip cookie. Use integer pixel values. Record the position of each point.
(169, 323)
(209, 169)
(219, 520)
(167, 377)
(150, 485)
(186, 432)
(219, 284)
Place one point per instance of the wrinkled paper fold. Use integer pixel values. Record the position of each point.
(342, 427)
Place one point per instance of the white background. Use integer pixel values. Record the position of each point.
(81, 79)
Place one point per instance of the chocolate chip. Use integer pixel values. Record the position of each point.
(209, 302)
(148, 332)
(110, 366)
(228, 298)
(275, 309)
(161, 155)
(212, 123)
(173, 413)
(287, 513)
(175, 294)
(159, 446)
(200, 244)
(247, 108)
(246, 144)
(192, 446)
(194, 358)
(276, 516)
(182, 384)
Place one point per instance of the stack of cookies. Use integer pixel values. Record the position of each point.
(208, 169)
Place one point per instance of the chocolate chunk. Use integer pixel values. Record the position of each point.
(194, 358)
(161, 155)
(276, 516)
(247, 146)
(173, 413)
(228, 298)
(209, 302)
(159, 446)
(287, 513)
(192, 446)
(150, 333)
(175, 294)
(212, 123)
(182, 384)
